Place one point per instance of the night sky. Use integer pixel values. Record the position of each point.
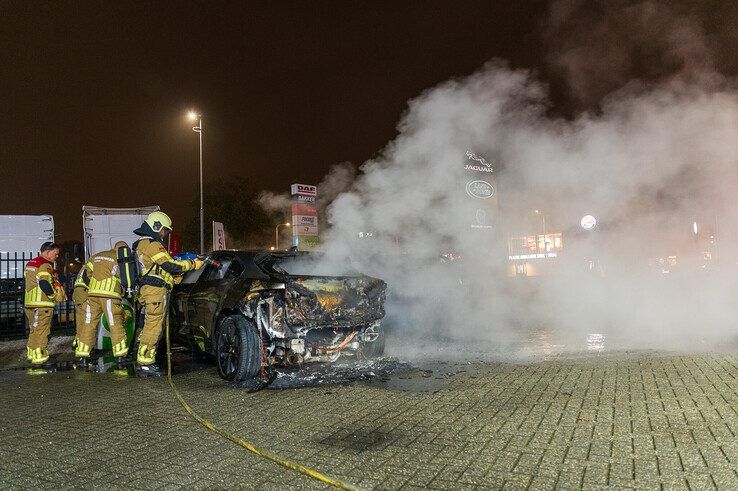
(93, 94)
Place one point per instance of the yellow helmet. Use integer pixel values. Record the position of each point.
(159, 220)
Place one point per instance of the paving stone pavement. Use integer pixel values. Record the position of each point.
(622, 420)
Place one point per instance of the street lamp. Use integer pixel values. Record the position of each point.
(198, 129)
(543, 218)
(276, 234)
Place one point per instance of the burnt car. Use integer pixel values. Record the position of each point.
(252, 309)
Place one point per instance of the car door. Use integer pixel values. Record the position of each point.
(180, 300)
(207, 295)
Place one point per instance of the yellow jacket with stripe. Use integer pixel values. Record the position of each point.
(83, 277)
(157, 267)
(40, 288)
(104, 275)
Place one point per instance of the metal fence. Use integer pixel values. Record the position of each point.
(13, 323)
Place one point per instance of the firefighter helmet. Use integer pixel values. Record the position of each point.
(159, 220)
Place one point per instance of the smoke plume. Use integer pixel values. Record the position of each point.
(652, 162)
(338, 180)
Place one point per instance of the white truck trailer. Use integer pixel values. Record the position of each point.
(103, 227)
(22, 235)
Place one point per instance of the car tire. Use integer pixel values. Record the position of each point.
(375, 348)
(237, 349)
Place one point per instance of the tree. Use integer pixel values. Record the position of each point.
(232, 201)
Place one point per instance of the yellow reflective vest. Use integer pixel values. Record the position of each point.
(104, 277)
(36, 271)
(152, 255)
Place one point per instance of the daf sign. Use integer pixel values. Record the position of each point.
(303, 190)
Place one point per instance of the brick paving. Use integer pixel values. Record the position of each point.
(619, 420)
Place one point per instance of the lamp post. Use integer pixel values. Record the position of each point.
(543, 219)
(276, 234)
(198, 129)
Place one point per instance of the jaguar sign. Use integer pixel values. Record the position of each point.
(477, 163)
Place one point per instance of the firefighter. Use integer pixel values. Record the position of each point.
(104, 296)
(42, 292)
(157, 276)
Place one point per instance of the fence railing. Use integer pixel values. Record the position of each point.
(13, 323)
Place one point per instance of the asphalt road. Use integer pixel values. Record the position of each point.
(576, 420)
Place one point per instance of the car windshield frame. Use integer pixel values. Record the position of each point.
(269, 262)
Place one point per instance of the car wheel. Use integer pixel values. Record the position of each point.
(237, 349)
(374, 349)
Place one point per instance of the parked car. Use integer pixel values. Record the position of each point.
(252, 310)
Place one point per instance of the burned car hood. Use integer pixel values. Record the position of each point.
(341, 301)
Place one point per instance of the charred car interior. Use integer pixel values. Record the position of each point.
(255, 310)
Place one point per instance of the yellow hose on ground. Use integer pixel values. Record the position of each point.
(238, 441)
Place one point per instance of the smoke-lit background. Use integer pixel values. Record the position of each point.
(650, 149)
(622, 109)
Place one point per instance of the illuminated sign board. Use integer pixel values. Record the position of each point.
(480, 189)
(588, 222)
(303, 199)
(518, 257)
(304, 216)
(303, 190)
(476, 163)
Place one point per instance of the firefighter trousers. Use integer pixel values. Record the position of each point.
(93, 309)
(154, 300)
(39, 328)
(79, 297)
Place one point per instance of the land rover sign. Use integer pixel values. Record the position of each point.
(480, 189)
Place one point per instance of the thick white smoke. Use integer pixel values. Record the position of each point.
(651, 163)
(338, 180)
(656, 153)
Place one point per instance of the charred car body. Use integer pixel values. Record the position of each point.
(254, 310)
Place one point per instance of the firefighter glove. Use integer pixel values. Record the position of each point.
(60, 295)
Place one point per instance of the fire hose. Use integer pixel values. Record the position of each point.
(238, 441)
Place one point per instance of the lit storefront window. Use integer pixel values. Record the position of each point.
(536, 246)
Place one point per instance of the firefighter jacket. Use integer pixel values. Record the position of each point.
(83, 277)
(41, 290)
(104, 277)
(157, 267)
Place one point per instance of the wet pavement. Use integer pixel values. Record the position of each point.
(541, 418)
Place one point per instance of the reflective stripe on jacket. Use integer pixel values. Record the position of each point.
(153, 257)
(37, 270)
(105, 278)
(87, 268)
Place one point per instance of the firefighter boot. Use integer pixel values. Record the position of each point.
(146, 362)
(82, 352)
(123, 361)
(151, 370)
